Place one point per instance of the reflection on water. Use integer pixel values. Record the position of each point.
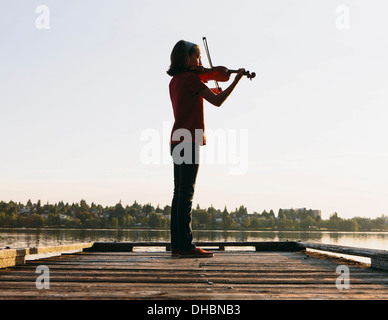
(22, 238)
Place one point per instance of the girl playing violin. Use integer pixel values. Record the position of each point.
(187, 92)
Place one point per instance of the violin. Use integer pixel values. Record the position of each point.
(219, 73)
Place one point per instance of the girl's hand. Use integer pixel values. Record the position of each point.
(239, 74)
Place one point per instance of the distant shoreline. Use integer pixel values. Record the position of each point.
(147, 217)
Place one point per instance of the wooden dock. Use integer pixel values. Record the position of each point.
(271, 270)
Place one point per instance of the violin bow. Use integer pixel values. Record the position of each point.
(210, 60)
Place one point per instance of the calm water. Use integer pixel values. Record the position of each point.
(22, 238)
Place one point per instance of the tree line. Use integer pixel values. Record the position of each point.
(84, 215)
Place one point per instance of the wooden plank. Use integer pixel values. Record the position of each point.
(237, 275)
(217, 245)
(361, 252)
(203, 292)
(156, 275)
(15, 257)
(379, 258)
(12, 257)
(379, 263)
(60, 248)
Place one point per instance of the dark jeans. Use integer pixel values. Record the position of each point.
(185, 175)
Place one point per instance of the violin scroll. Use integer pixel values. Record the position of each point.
(249, 75)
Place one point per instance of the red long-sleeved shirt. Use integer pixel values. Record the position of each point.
(187, 105)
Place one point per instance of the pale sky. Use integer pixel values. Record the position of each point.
(77, 100)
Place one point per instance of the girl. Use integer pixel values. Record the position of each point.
(187, 92)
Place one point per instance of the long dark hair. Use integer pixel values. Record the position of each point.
(180, 58)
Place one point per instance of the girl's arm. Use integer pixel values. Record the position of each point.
(218, 99)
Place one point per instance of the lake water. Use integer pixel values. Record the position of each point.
(22, 238)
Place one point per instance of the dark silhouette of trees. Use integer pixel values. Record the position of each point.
(83, 215)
